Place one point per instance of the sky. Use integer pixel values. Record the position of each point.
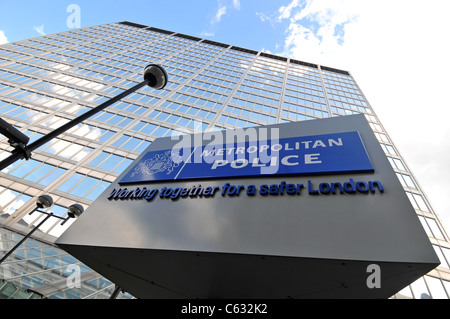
(397, 51)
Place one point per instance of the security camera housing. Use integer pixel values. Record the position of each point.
(15, 137)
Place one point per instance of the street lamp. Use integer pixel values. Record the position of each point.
(154, 76)
(75, 211)
(46, 201)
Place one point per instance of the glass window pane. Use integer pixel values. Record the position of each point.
(71, 151)
(434, 228)
(436, 288)
(25, 168)
(70, 183)
(399, 164)
(400, 177)
(58, 210)
(447, 286)
(446, 252)
(142, 147)
(98, 190)
(421, 202)
(441, 256)
(425, 226)
(84, 187)
(39, 173)
(99, 159)
(111, 162)
(81, 155)
(53, 176)
(409, 181)
(148, 129)
(161, 131)
(12, 166)
(93, 133)
(7, 196)
(56, 147)
(411, 199)
(106, 136)
(123, 166)
(121, 140)
(132, 144)
(406, 292)
(16, 204)
(420, 289)
(138, 126)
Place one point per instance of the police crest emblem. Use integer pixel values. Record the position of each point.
(160, 163)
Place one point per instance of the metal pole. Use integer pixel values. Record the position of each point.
(26, 151)
(115, 292)
(25, 238)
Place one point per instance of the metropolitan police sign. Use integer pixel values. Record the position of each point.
(302, 155)
(295, 210)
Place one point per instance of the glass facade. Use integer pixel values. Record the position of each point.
(47, 81)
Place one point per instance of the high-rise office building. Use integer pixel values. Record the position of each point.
(47, 81)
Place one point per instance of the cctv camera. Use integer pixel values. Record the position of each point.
(155, 76)
(15, 137)
(44, 201)
(75, 210)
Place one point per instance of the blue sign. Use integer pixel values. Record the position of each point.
(336, 153)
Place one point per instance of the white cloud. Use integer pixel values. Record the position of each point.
(313, 29)
(220, 12)
(272, 19)
(285, 12)
(207, 34)
(398, 53)
(237, 4)
(39, 29)
(263, 17)
(3, 38)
